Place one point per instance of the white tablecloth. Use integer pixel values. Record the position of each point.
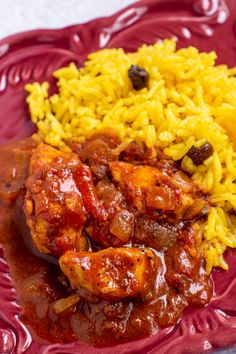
(21, 15)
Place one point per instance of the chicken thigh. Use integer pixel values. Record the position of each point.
(60, 194)
(112, 273)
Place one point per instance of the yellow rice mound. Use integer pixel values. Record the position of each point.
(189, 100)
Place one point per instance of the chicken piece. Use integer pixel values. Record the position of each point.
(113, 273)
(185, 269)
(59, 189)
(135, 181)
(148, 188)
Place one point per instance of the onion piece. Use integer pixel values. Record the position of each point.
(122, 225)
(65, 304)
(182, 181)
(160, 198)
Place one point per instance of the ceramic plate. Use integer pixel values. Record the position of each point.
(33, 56)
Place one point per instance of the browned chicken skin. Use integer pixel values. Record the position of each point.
(53, 204)
(113, 273)
(150, 189)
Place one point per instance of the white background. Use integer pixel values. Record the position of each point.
(21, 15)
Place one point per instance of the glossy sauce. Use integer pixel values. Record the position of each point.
(181, 281)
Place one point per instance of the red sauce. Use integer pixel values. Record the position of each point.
(39, 283)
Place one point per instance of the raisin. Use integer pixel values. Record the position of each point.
(199, 154)
(138, 76)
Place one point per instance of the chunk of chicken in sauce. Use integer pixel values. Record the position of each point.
(112, 273)
(185, 270)
(150, 189)
(60, 194)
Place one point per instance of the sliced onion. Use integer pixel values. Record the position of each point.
(65, 304)
(122, 225)
(182, 181)
(160, 198)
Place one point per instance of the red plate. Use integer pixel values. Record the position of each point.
(33, 56)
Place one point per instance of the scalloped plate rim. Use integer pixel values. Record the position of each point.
(17, 37)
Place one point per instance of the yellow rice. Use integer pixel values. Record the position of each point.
(189, 100)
